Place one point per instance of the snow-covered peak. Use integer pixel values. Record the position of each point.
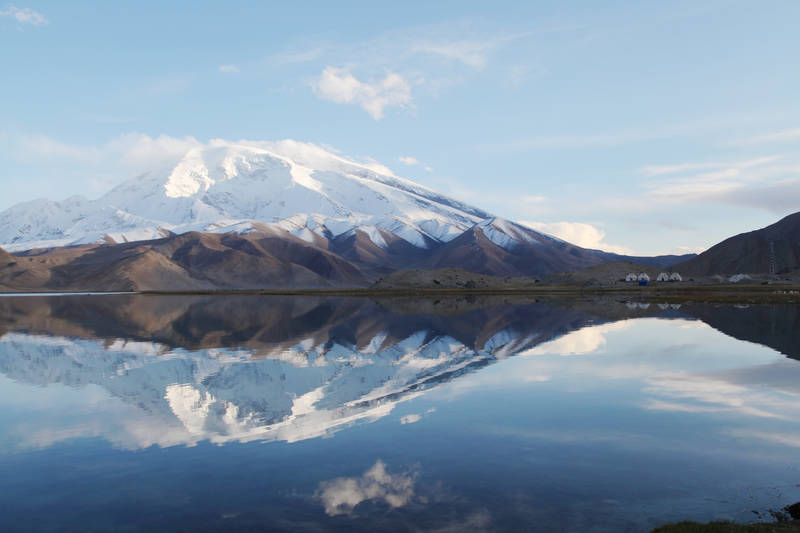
(222, 186)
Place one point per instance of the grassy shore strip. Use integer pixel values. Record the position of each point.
(669, 294)
(652, 293)
(730, 527)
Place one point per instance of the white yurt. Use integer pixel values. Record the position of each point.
(663, 277)
(675, 277)
(631, 277)
(644, 277)
(736, 278)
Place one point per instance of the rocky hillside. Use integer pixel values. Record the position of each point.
(750, 252)
(192, 261)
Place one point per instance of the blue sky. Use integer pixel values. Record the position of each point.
(646, 127)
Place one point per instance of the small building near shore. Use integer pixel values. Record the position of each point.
(644, 279)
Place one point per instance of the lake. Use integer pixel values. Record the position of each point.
(175, 413)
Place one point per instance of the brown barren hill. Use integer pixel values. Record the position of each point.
(751, 252)
(33, 269)
(187, 262)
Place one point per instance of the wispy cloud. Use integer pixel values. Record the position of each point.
(770, 182)
(768, 138)
(229, 69)
(712, 126)
(471, 53)
(697, 393)
(340, 86)
(295, 56)
(169, 85)
(413, 161)
(408, 160)
(105, 164)
(561, 142)
(785, 439)
(24, 15)
(659, 170)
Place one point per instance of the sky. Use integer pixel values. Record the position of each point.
(640, 127)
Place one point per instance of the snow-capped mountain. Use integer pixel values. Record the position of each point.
(223, 187)
(254, 214)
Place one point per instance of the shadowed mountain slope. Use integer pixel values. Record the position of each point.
(750, 252)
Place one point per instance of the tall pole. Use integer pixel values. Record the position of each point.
(771, 258)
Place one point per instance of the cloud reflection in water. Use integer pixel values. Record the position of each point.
(342, 495)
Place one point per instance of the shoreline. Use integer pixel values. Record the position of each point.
(776, 293)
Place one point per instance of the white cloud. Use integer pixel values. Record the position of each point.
(410, 419)
(228, 69)
(340, 86)
(342, 495)
(428, 169)
(578, 233)
(24, 15)
(580, 342)
(408, 160)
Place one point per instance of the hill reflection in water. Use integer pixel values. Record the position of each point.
(467, 413)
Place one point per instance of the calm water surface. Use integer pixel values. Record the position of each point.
(149, 413)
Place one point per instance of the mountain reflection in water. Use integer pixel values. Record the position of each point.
(278, 368)
(655, 415)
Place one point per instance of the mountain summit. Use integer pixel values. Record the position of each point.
(226, 187)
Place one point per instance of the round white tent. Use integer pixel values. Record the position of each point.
(644, 277)
(663, 277)
(675, 277)
(631, 277)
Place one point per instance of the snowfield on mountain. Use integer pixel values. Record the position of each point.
(223, 187)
